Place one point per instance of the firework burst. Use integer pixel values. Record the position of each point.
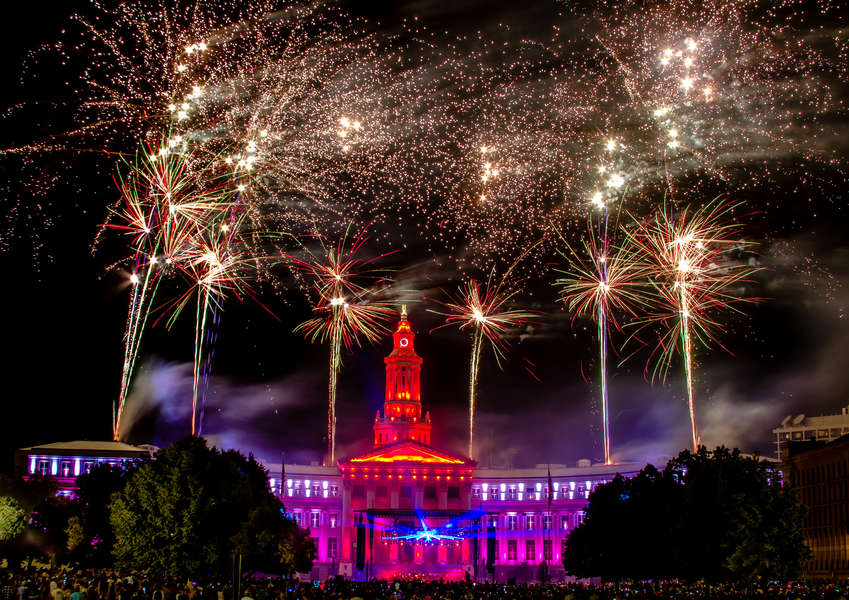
(177, 211)
(600, 281)
(695, 262)
(350, 307)
(484, 308)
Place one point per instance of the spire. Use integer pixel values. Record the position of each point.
(402, 408)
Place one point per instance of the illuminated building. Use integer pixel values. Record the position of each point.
(63, 462)
(408, 508)
(802, 428)
(819, 472)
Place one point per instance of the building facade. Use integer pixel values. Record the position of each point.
(407, 508)
(802, 428)
(819, 471)
(63, 462)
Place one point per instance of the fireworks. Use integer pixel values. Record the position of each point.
(176, 210)
(599, 282)
(303, 118)
(350, 306)
(216, 266)
(694, 265)
(484, 307)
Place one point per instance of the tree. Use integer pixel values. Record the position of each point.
(13, 518)
(49, 525)
(747, 524)
(271, 542)
(28, 495)
(187, 511)
(94, 492)
(74, 534)
(716, 515)
(629, 529)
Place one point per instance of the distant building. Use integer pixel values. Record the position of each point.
(805, 429)
(63, 462)
(819, 471)
(409, 509)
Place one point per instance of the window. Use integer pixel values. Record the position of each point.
(530, 522)
(476, 493)
(546, 522)
(822, 433)
(88, 466)
(315, 519)
(564, 522)
(579, 517)
(512, 494)
(406, 491)
(332, 520)
(512, 522)
(297, 517)
(454, 492)
(546, 549)
(358, 492)
(493, 522)
(430, 492)
(331, 548)
(381, 491)
(65, 468)
(797, 435)
(530, 550)
(316, 490)
(334, 490)
(43, 467)
(511, 549)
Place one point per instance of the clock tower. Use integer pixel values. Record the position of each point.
(402, 407)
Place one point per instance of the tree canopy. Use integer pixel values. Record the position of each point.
(189, 509)
(718, 516)
(93, 531)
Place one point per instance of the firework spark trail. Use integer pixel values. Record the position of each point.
(181, 212)
(137, 316)
(221, 266)
(211, 339)
(321, 121)
(350, 288)
(599, 282)
(474, 364)
(695, 269)
(342, 322)
(484, 307)
(588, 288)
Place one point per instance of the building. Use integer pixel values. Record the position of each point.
(408, 508)
(805, 429)
(819, 471)
(63, 462)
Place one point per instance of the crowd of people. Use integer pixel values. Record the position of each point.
(68, 584)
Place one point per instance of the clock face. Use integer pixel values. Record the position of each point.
(404, 342)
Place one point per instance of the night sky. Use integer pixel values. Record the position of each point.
(64, 313)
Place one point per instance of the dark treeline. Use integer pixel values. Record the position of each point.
(187, 512)
(715, 516)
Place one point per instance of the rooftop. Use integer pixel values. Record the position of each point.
(805, 422)
(90, 446)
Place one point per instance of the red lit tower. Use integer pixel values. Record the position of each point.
(402, 407)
